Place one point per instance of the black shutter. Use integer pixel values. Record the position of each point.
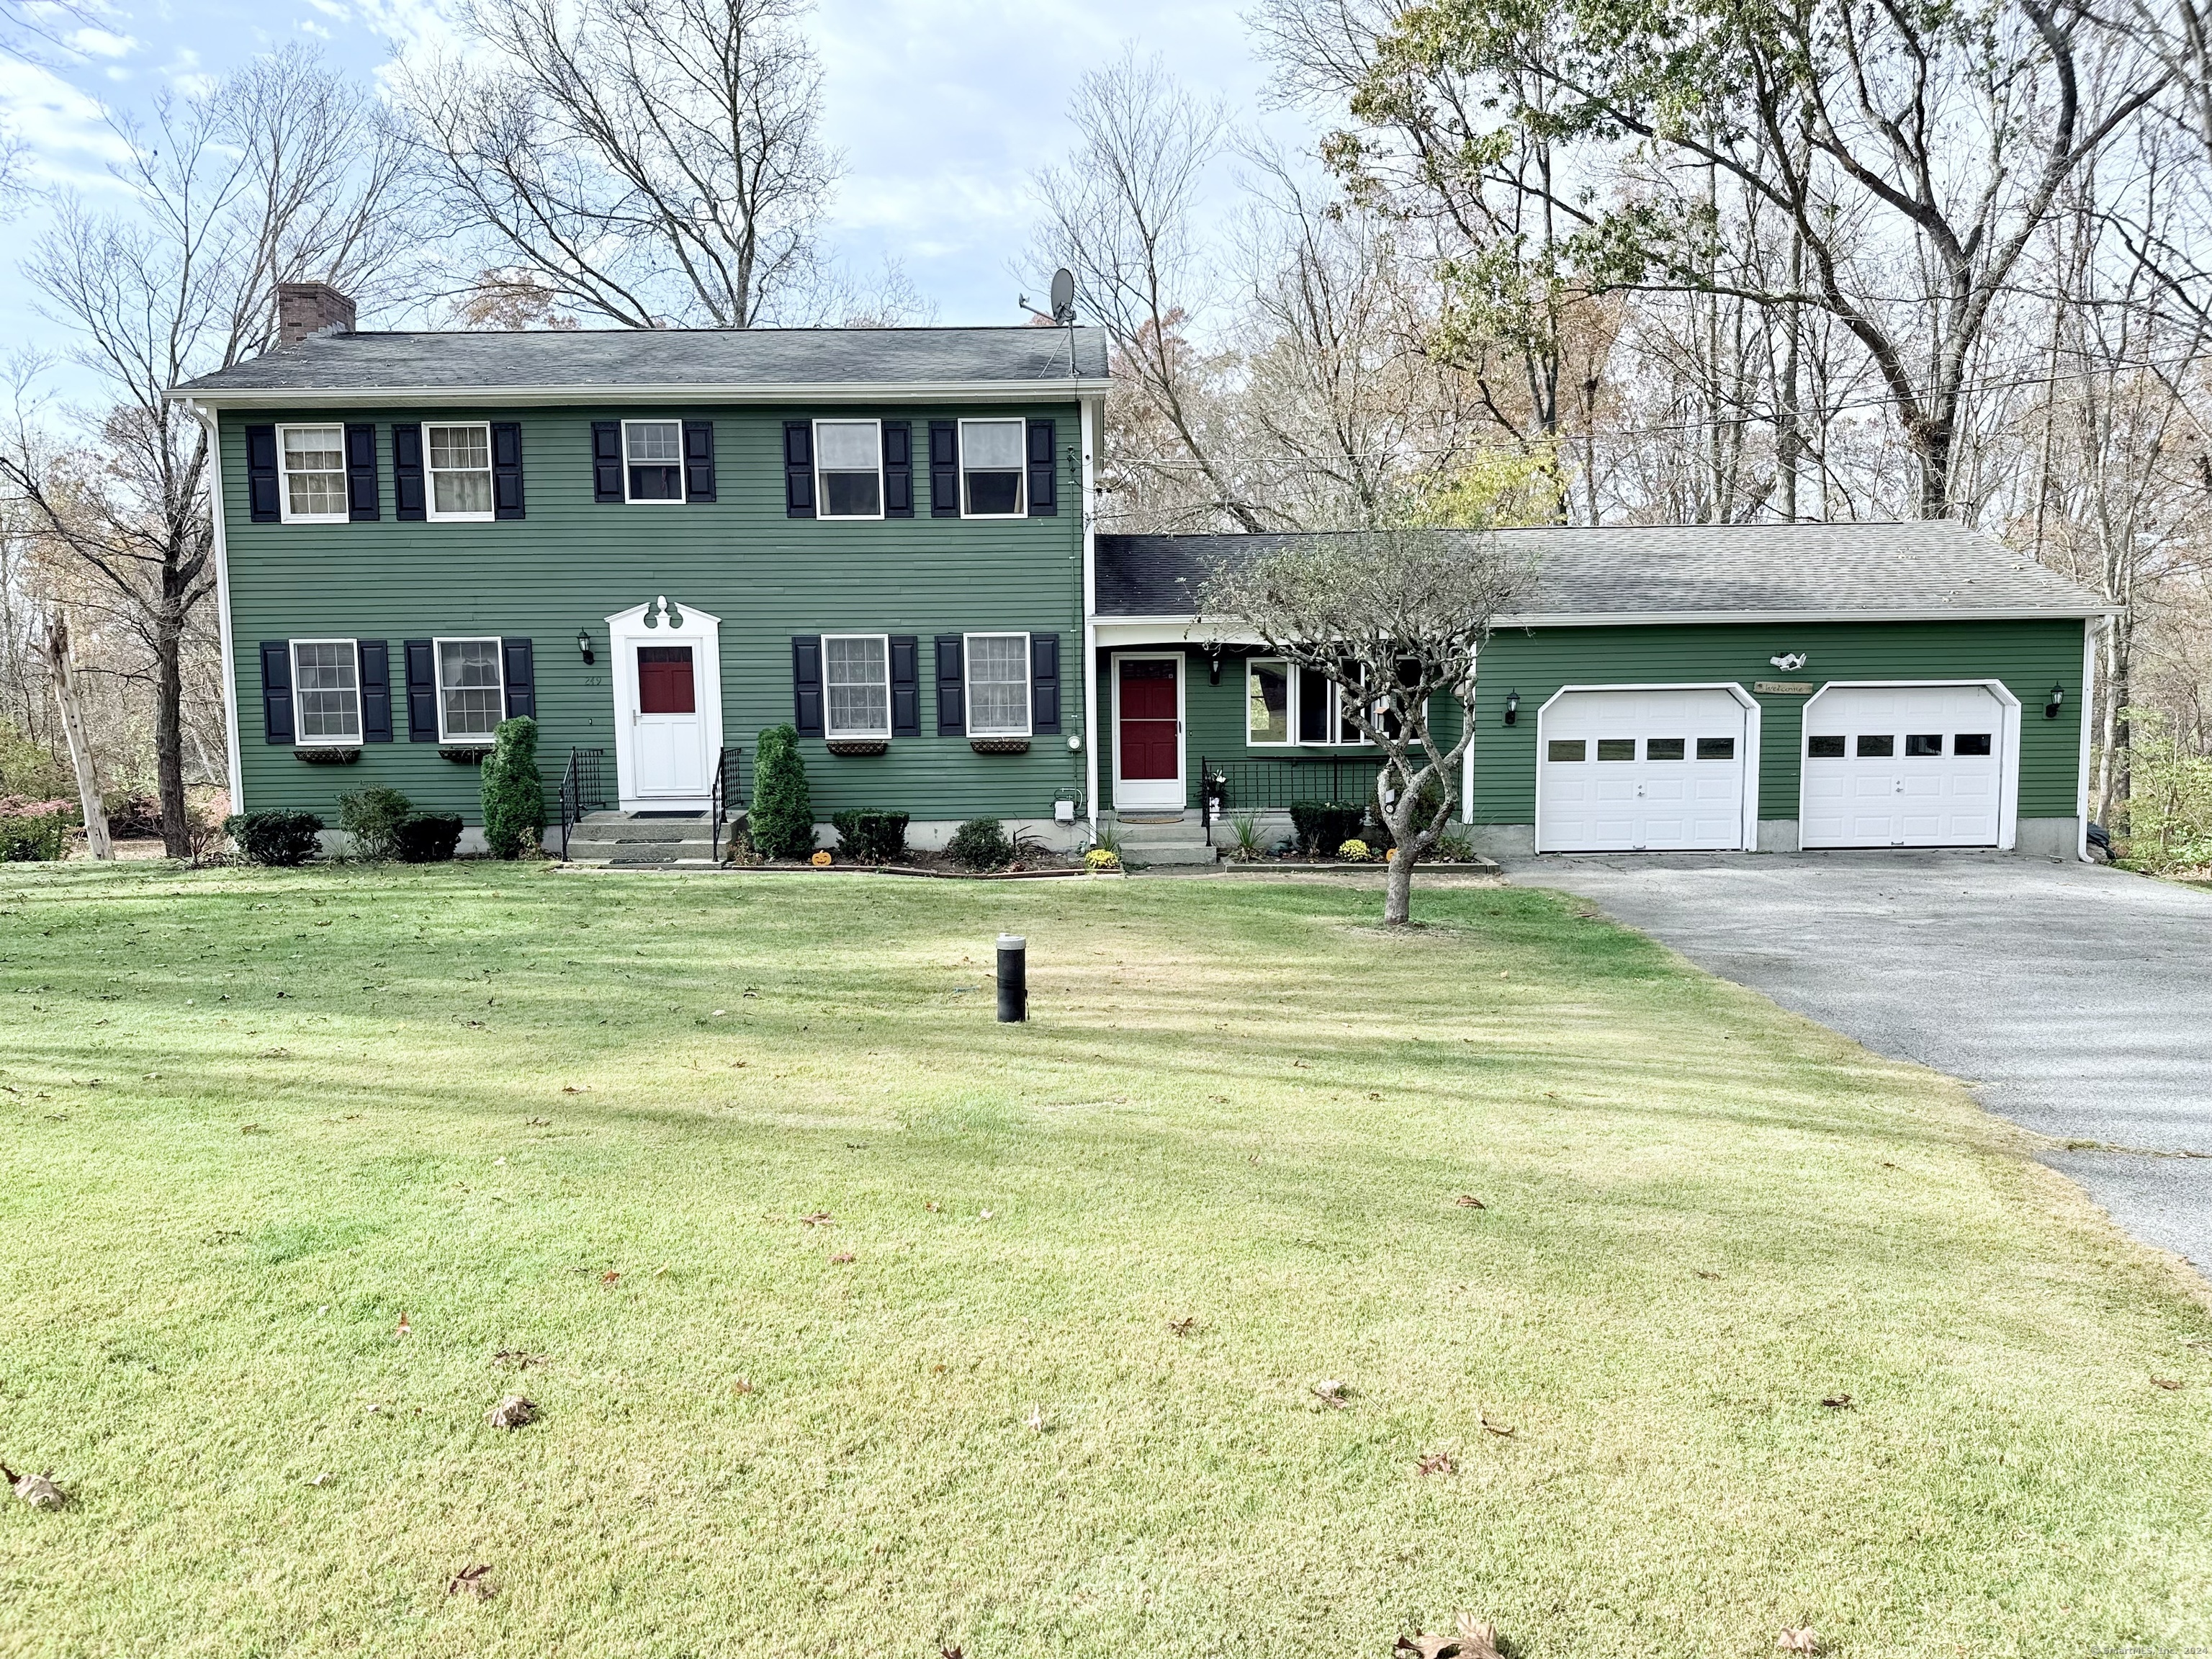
(407, 472)
(798, 471)
(606, 461)
(943, 471)
(375, 691)
(952, 691)
(422, 692)
(1044, 470)
(898, 469)
(277, 690)
(1045, 683)
(905, 686)
(521, 680)
(807, 684)
(506, 469)
(262, 485)
(698, 460)
(363, 495)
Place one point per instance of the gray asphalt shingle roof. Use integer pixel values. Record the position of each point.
(610, 359)
(1924, 569)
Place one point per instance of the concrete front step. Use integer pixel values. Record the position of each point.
(641, 843)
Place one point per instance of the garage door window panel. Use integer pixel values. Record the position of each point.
(1566, 749)
(1717, 749)
(1665, 749)
(1824, 748)
(1616, 749)
(1877, 746)
(1925, 745)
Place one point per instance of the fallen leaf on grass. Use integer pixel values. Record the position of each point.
(1702, 1273)
(2166, 1381)
(1504, 1432)
(405, 1328)
(1469, 1201)
(949, 1653)
(38, 1491)
(1435, 1463)
(1800, 1640)
(575, 1088)
(840, 1257)
(1839, 1402)
(741, 1386)
(1470, 1639)
(612, 1276)
(1330, 1392)
(473, 1581)
(819, 1219)
(512, 1412)
(1185, 1325)
(931, 1206)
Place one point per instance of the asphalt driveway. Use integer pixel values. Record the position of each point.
(2077, 1000)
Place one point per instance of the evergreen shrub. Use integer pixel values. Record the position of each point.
(514, 793)
(781, 816)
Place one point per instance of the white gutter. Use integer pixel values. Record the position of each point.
(1093, 410)
(207, 419)
(2089, 630)
(661, 392)
(1126, 628)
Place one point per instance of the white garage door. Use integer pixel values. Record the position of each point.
(1902, 766)
(1640, 771)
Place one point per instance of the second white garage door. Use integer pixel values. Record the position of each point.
(1650, 770)
(1902, 766)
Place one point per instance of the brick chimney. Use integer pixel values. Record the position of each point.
(306, 309)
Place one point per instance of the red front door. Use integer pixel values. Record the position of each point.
(1149, 738)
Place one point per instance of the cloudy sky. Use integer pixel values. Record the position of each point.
(942, 107)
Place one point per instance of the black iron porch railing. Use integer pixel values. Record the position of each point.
(581, 791)
(732, 789)
(1228, 787)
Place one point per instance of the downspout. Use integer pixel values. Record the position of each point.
(2089, 628)
(1092, 410)
(208, 419)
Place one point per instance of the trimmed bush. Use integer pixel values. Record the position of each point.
(34, 829)
(1320, 826)
(372, 816)
(514, 793)
(981, 844)
(425, 837)
(781, 816)
(1356, 852)
(1101, 858)
(279, 838)
(871, 838)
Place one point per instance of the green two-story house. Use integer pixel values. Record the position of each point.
(660, 543)
(657, 543)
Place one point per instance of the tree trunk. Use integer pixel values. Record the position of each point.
(1398, 888)
(62, 669)
(170, 735)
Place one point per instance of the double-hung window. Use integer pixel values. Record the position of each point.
(856, 685)
(848, 469)
(313, 459)
(460, 464)
(653, 460)
(998, 685)
(326, 690)
(992, 456)
(1267, 702)
(471, 691)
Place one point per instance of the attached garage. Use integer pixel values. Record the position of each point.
(1903, 765)
(1647, 769)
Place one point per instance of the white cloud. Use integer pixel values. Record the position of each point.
(65, 130)
(100, 43)
(308, 26)
(330, 8)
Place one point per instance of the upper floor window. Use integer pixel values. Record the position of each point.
(653, 460)
(471, 694)
(856, 685)
(991, 455)
(313, 459)
(848, 469)
(326, 690)
(998, 685)
(460, 470)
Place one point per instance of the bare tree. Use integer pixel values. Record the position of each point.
(61, 670)
(647, 161)
(284, 171)
(1392, 618)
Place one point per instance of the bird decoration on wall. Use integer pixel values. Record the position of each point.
(1790, 661)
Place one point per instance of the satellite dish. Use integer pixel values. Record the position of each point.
(1063, 295)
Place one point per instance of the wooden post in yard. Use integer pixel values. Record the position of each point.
(61, 667)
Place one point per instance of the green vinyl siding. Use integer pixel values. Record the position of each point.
(2028, 657)
(572, 561)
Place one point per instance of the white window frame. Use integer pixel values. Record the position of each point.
(430, 476)
(284, 477)
(1029, 682)
(1021, 471)
(1290, 737)
(1345, 736)
(821, 492)
(828, 733)
(299, 737)
(682, 482)
(438, 679)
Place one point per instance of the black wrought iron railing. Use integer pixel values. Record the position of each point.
(581, 791)
(732, 790)
(1228, 787)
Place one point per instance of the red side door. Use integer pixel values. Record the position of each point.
(1150, 744)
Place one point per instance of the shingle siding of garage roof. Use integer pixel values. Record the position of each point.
(583, 363)
(1930, 569)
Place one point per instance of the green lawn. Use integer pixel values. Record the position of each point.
(251, 1118)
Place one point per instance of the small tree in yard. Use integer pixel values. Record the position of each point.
(782, 817)
(514, 793)
(1391, 618)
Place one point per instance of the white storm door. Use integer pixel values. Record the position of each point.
(1654, 770)
(1902, 766)
(668, 737)
(1148, 757)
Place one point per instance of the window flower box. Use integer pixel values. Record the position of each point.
(465, 754)
(860, 745)
(999, 745)
(327, 754)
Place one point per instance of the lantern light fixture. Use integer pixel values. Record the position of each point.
(2056, 701)
(584, 644)
(1512, 707)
